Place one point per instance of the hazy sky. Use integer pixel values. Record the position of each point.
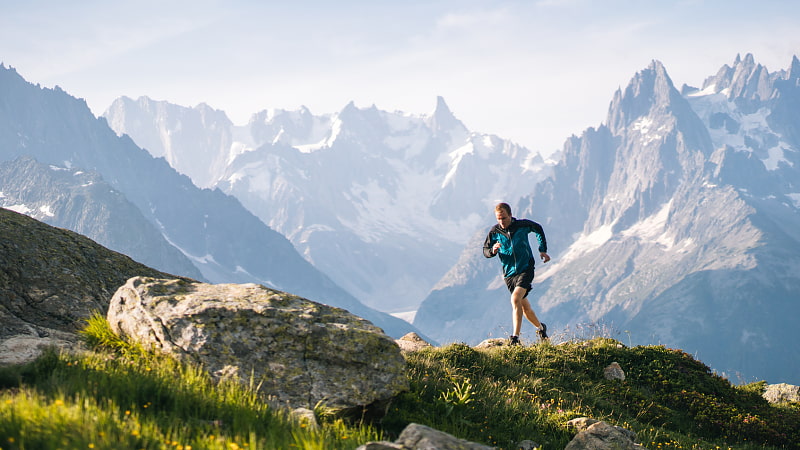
(532, 71)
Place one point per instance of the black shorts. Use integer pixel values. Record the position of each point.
(522, 279)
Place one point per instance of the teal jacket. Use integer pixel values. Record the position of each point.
(515, 250)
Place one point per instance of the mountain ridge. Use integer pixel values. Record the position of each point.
(223, 240)
(363, 192)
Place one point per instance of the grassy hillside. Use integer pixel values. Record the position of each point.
(502, 395)
(119, 396)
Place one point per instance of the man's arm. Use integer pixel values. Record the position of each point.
(488, 251)
(539, 231)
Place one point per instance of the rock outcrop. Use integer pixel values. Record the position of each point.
(412, 342)
(782, 392)
(614, 372)
(300, 352)
(420, 437)
(51, 280)
(594, 434)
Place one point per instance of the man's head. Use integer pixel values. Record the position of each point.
(503, 214)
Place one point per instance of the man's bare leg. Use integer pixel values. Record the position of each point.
(521, 306)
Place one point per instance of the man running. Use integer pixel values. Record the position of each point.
(509, 239)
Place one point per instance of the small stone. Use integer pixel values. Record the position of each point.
(614, 372)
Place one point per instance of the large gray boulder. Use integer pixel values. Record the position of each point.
(299, 352)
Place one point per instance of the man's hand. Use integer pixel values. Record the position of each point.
(496, 248)
(545, 257)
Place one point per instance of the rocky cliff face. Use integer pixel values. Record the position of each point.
(676, 222)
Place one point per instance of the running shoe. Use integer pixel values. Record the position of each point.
(542, 332)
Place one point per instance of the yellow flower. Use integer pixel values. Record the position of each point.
(59, 402)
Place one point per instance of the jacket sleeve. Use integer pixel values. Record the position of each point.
(487, 246)
(539, 231)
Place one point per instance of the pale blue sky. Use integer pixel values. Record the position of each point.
(530, 71)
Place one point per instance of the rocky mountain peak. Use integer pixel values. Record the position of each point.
(794, 69)
(650, 89)
(657, 138)
(443, 121)
(745, 81)
(295, 128)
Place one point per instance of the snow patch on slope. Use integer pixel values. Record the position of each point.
(752, 131)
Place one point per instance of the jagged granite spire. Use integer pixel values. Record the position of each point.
(794, 69)
(649, 89)
(443, 121)
(745, 80)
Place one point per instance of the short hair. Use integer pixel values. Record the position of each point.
(504, 207)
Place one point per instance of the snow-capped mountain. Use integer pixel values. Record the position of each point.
(676, 222)
(381, 202)
(83, 202)
(206, 131)
(222, 240)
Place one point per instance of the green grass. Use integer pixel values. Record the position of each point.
(668, 398)
(120, 396)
